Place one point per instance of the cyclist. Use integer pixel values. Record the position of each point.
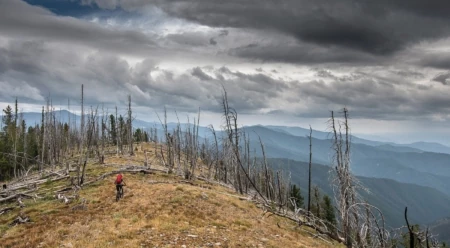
(119, 183)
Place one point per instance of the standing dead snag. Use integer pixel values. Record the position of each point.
(309, 176)
(419, 238)
(232, 140)
(411, 233)
(92, 136)
(81, 137)
(130, 126)
(360, 227)
(343, 181)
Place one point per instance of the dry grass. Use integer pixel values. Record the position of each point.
(169, 214)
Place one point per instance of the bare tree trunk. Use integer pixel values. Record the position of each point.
(43, 131)
(411, 233)
(118, 135)
(130, 126)
(229, 116)
(15, 139)
(79, 177)
(104, 121)
(309, 176)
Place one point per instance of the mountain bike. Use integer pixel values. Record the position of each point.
(119, 193)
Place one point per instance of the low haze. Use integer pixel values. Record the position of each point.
(282, 63)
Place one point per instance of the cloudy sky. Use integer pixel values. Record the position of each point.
(287, 62)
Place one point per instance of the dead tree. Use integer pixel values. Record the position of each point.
(216, 154)
(344, 180)
(356, 229)
(232, 139)
(411, 233)
(81, 137)
(130, 126)
(91, 139)
(194, 145)
(309, 176)
(42, 139)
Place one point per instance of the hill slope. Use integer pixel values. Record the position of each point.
(158, 210)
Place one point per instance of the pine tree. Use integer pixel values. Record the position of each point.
(6, 143)
(7, 119)
(296, 195)
(138, 135)
(316, 209)
(32, 144)
(328, 212)
(113, 129)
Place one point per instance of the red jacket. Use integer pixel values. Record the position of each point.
(118, 179)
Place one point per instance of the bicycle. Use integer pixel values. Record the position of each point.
(119, 193)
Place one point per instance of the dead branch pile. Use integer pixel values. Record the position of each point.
(19, 220)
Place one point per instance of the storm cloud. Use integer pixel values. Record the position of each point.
(39, 70)
(381, 27)
(384, 60)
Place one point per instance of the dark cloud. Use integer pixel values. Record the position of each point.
(347, 31)
(304, 54)
(197, 72)
(437, 60)
(372, 98)
(39, 57)
(327, 74)
(35, 70)
(382, 27)
(23, 21)
(409, 74)
(3, 60)
(223, 33)
(443, 78)
(193, 39)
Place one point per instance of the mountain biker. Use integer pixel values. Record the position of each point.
(119, 182)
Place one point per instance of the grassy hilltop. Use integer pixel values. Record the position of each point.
(158, 210)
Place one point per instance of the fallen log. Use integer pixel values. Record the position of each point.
(13, 197)
(319, 230)
(5, 210)
(36, 182)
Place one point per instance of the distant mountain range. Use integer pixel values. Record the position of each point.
(416, 175)
(63, 115)
(417, 146)
(403, 164)
(425, 204)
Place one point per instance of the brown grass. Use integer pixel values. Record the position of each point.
(170, 214)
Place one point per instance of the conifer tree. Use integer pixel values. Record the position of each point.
(113, 130)
(296, 195)
(328, 212)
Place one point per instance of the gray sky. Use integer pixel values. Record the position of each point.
(287, 62)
